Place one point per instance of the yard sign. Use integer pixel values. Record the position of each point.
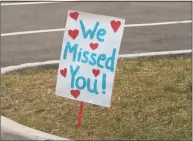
(88, 59)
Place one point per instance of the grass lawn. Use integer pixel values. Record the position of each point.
(152, 99)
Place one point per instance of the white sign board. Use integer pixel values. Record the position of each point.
(89, 56)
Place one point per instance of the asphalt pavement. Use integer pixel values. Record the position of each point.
(47, 46)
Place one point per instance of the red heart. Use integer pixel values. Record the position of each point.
(94, 46)
(96, 72)
(115, 25)
(63, 72)
(75, 93)
(74, 15)
(73, 33)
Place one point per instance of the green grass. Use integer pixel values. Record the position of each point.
(151, 100)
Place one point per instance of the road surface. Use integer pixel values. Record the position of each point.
(19, 49)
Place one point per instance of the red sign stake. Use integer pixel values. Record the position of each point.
(80, 114)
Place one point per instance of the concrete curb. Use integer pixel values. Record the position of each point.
(45, 64)
(54, 63)
(175, 53)
(11, 130)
